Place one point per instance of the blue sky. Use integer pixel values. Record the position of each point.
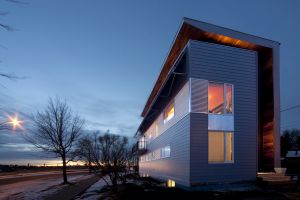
(103, 57)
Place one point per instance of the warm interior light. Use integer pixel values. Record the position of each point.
(169, 112)
(216, 98)
(170, 183)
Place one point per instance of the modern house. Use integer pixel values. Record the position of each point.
(213, 114)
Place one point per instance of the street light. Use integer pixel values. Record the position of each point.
(15, 122)
(12, 121)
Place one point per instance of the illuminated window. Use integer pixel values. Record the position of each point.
(216, 98)
(220, 147)
(229, 143)
(170, 183)
(169, 112)
(228, 98)
(220, 98)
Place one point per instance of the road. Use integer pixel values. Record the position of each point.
(17, 177)
(35, 185)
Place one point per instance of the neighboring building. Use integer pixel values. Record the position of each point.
(213, 114)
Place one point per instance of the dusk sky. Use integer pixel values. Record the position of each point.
(103, 57)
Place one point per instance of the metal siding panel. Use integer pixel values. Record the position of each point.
(176, 134)
(176, 167)
(199, 95)
(181, 105)
(221, 66)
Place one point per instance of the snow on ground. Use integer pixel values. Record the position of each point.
(36, 189)
(93, 192)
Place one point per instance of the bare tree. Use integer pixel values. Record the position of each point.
(85, 151)
(111, 154)
(56, 130)
(9, 28)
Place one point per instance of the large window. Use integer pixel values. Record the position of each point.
(169, 112)
(220, 147)
(220, 98)
(160, 153)
(165, 152)
(142, 143)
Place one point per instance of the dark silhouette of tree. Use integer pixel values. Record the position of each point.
(85, 151)
(9, 28)
(111, 154)
(286, 144)
(290, 140)
(55, 130)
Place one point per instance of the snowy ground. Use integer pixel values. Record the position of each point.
(36, 189)
(93, 192)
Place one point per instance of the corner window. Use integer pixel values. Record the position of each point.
(220, 147)
(169, 112)
(220, 98)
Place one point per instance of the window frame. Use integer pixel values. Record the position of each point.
(225, 148)
(224, 97)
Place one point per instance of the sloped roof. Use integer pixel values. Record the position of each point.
(191, 29)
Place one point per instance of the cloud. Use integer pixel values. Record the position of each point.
(101, 114)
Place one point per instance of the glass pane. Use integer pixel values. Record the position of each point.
(167, 151)
(228, 146)
(169, 112)
(215, 146)
(228, 98)
(216, 98)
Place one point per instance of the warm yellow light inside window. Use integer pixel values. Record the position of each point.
(220, 146)
(215, 146)
(228, 146)
(169, 112)
(171, 183)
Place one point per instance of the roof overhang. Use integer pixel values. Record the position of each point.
(196, 30)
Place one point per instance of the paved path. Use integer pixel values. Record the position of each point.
(74, 190)
(274, 177)
(20, 177)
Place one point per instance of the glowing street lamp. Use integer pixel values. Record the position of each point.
(15, 122)
(12, 121)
